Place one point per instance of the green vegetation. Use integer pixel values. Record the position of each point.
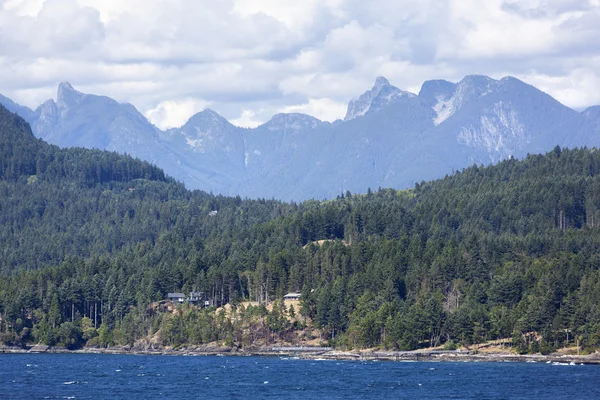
(90, 241)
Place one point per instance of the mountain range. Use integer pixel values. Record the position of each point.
(388, 138)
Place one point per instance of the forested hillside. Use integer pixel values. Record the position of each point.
(89, 240)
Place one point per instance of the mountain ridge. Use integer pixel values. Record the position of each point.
(389, 137)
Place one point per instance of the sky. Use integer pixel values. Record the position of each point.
(251, 59)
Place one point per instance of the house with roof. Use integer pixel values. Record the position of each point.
(292, 296)
(176, 297)
(193, 298)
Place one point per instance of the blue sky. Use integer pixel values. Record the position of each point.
(251, 59)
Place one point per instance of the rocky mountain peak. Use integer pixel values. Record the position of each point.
(207, 117)
(593, 111)
(402, 139)
(65, 86)
(67, 96)
(436, 90)
(292, 121)
(447, 98)
(382, 94)
(380, 82)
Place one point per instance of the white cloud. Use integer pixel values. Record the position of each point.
(252, 59)
(530, 29)
(296, 15)
(112, 9)
(24, 7)
(169, 114)
(491, 38)
(247, 120)
(578, 90)
(323, 109)
(60, 27)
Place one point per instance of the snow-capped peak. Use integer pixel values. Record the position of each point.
(382, 91)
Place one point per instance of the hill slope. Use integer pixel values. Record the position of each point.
(504, 251)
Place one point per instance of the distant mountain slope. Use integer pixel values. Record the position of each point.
(382, 95)
(389, 137)
(24, 112)
(500, 119)
(590, 131)
(82, 120)
(209, 150)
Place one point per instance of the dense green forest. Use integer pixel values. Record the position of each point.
(90, 241)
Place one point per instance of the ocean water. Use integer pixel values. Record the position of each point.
(89, 376)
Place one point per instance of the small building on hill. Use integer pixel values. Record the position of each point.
(194, 298)
(292, 296)
(177, 297)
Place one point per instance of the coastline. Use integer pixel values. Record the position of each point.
(312, 353)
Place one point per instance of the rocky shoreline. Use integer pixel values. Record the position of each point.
(321, 353)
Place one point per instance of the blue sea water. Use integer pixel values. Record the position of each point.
(89, 376)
